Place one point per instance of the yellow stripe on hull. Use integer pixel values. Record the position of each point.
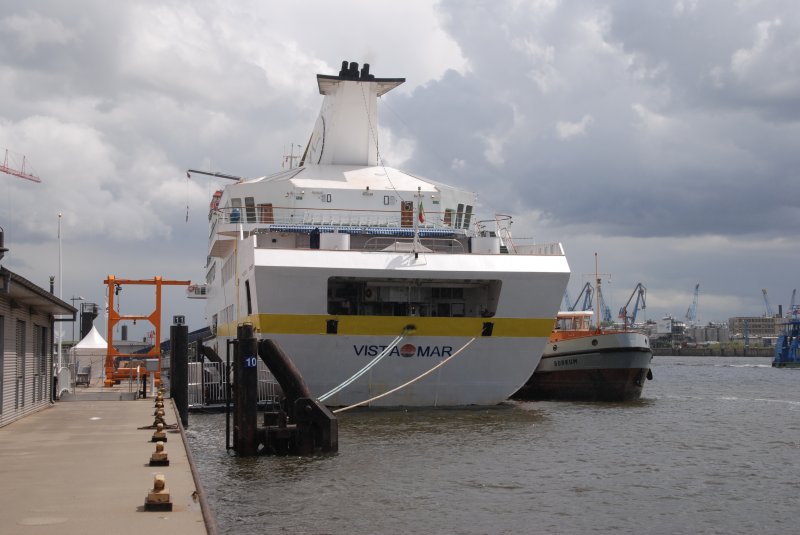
(393, 325)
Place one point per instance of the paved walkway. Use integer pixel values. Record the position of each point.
(81, 467)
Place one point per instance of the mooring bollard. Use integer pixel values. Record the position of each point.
(159, 435)
(159, 418)
(159, 457)
(158, 497)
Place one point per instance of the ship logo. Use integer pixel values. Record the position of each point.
(408, 350)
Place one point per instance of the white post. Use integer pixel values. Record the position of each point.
(415, 213)
(60, 288)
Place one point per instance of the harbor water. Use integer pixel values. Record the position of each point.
(713, 447)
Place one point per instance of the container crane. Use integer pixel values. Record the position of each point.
(767, 306)
(691, 312)
(628, 316)
(18, 171)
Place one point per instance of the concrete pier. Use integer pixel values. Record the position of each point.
(81, 467)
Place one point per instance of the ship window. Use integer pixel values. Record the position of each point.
(459, 213)
(399, 297)
(389, 200)
(467, 216)
(236, 210)
(326, 197)
(250, 209)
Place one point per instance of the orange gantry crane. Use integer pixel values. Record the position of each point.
(129, 365)
(20, 171)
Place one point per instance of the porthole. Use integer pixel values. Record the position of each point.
(555, 347)
(594, 342)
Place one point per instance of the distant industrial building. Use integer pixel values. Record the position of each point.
(713, 332)
(754, 327)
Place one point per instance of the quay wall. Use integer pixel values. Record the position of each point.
(721, 351)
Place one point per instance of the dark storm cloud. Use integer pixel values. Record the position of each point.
(662, 132)
(682, 123)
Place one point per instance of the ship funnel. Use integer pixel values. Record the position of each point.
(349, 71)
(345, 130)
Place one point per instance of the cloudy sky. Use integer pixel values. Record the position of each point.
(665, 136)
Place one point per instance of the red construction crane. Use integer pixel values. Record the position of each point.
(19, 171)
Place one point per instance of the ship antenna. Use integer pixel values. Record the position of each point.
(597, 292)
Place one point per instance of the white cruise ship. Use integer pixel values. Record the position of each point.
(368, 277)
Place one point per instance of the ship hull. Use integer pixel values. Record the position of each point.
(615, 369)
(289, 294)
(485, 373)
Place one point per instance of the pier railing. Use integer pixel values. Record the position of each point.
(207, 385)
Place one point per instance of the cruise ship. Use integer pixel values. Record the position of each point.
(371, 278)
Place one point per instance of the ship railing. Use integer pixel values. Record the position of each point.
(527, 246)
(253, 220)
(207, 385)
(435, 245)
(250, 218)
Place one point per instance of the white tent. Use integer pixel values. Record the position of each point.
(91, 351)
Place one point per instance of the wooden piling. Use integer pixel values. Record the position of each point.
(246, 391)
(179, 370)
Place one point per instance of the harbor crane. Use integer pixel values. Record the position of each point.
(767, 306)
(691, 312)
(586, 294)
(567, 300)
(603, 309)
(627, 315)
(18, 170)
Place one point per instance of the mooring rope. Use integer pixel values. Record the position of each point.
(412, 381)
(366, 368)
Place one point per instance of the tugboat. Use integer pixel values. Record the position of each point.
(582, 363)
(786, 348)
(585, 363)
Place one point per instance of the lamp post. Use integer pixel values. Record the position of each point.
(60, 288)
(73, 299)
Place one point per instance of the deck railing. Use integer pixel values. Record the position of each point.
(329, 217)
(207, 385)
(253, 220)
